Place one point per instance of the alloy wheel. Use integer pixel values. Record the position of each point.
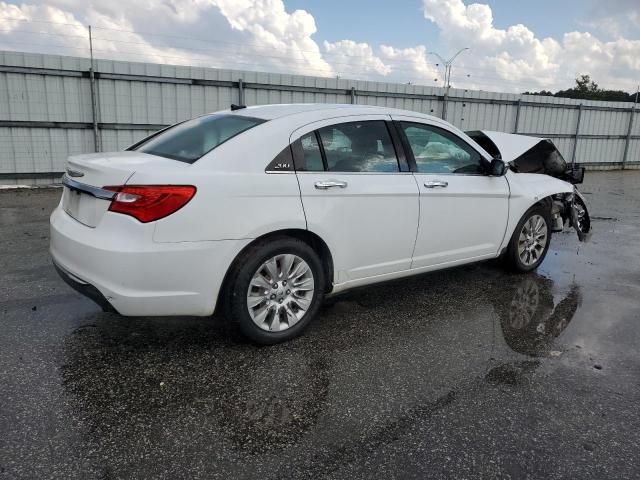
(280, 292)
(532, 240)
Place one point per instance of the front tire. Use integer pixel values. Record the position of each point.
(275, 290)
(530, 240)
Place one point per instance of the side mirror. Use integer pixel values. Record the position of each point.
(497, 168)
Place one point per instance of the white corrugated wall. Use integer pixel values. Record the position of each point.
(131, 108)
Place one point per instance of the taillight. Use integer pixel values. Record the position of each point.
(150, 202)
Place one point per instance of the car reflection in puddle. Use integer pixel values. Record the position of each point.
(530, 323)
(373, 362)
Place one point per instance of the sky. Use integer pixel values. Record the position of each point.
(513, 46)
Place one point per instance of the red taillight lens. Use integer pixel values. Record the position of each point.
(150, 202)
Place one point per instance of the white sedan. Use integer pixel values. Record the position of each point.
(263, 211)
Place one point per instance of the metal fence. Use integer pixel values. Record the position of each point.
(54, 106)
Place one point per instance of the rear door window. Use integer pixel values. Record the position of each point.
(359, 147)
(347, 147)
(311, 154)
(190, 140)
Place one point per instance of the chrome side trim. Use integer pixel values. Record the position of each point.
(89, 189)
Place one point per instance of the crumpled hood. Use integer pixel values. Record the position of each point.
(525, 154)
(510, 145)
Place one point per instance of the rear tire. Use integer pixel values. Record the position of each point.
(530, 241)
(267, 294)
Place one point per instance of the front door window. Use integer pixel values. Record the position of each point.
(439, 151)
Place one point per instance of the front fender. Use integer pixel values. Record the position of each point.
(527, 189)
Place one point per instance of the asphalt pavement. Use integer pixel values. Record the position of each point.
(466, 373)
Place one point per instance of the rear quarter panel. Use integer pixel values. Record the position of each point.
(236, 198)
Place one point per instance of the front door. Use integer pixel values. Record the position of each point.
(356, 196)
(463, 211)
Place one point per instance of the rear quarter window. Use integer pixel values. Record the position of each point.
(190, 140)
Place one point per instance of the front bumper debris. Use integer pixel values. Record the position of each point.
(570, 209)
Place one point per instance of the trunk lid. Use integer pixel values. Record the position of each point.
(86, 175)
(114, 168)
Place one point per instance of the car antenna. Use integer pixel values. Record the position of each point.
(235, 107)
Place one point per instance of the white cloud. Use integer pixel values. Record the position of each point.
(411, 62)
(263, 35)
(513, 54)
(349, 57)
(615, 18)
(272, 31)
(240, 34)
(517, 59)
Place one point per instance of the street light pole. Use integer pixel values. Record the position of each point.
(97, 144)
(447, 77)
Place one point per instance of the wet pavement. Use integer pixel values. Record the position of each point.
(469, 372)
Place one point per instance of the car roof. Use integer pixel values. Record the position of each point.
(271, 112)
(295, 115)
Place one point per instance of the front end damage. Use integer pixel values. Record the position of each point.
(570, 210)
(527, 154)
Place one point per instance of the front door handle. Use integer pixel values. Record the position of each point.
(436, 183)
(330, 184)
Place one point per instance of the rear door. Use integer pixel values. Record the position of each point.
(357, 194)
(463, 211)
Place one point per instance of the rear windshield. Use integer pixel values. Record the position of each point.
(190, 140)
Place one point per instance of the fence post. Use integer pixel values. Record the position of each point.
(353, 95)
(444, 103)
(240, 92)
(628, 140)
(518, 104)
(94, 101)
(575, 143)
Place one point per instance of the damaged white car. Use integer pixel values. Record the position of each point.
(262, 211)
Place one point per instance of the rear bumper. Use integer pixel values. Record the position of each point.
(120, 267)
(85, 289)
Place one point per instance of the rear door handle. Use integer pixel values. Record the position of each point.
(436, 183)
(330, 184)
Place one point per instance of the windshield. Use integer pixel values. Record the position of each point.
(190, 140)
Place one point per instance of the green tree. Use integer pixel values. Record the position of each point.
(585, 85)
(587, 89)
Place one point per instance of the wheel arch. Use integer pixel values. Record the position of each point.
(522, 209)
(512, 255)
(310, 238)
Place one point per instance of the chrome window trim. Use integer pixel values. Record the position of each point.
(334, 173)
(89, 189)
(456, 174)
(337, 173)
